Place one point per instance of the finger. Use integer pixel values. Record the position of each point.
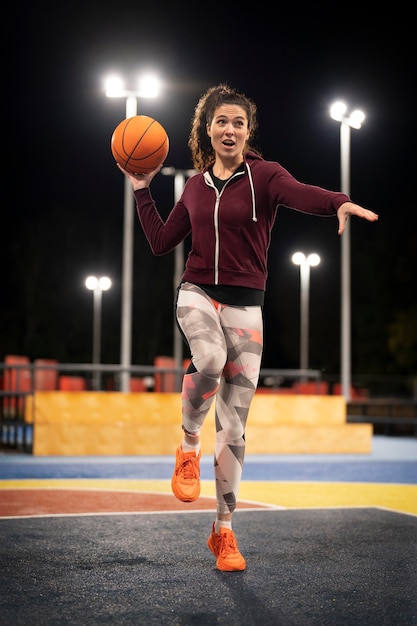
(342, 223)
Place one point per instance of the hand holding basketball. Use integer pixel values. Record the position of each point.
(139, 144)
(140, 181)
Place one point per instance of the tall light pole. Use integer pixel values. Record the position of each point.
(180, 177)
(305, 262)
(97, 286)
(148, 88)
(354, 120)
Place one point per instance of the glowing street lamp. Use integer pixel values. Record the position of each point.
(148, 87)
(97, 286)
(305, 262)
(338, 112)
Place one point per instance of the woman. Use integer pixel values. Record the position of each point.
(229, 207)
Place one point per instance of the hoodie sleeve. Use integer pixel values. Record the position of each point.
(162, 236)
(288, 191)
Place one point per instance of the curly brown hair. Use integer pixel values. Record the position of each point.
(199, 142)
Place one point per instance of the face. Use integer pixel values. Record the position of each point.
(228, 131)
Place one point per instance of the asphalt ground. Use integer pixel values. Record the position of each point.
(328, 540)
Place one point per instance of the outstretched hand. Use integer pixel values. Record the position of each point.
(140, 181)
(349, 208)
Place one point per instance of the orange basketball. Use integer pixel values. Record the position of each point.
(139, 144)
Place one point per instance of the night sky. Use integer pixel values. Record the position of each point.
(63, 217)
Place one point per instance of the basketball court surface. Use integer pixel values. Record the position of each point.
(328, 539)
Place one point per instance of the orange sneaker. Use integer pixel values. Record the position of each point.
(185, 482)
(224, 548)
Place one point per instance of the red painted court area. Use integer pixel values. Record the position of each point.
(27, 502)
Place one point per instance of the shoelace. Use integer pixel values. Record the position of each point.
(227, 544)
(189, 468)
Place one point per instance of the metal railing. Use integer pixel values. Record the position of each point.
(19, 381)
(22, 380)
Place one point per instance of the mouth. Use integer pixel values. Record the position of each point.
(228, 143)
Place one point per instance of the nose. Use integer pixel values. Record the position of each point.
(229, 129)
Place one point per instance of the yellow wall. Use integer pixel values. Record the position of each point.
(114, 423)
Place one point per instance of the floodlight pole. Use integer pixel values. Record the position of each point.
(355, 119)
(114, 89)
(127, 271)
(97, 286)
(180, 177)
(345, 337)
(305, 262)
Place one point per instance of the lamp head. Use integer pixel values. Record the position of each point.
(338, 112)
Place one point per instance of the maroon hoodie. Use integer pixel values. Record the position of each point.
(231, 230)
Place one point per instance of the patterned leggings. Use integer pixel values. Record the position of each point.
(226, 348)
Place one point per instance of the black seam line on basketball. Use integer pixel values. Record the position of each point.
(140, 138)
(139, 159)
